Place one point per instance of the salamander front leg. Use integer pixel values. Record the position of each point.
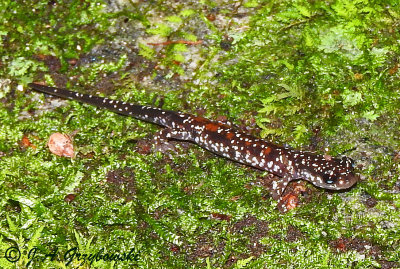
(279, 186)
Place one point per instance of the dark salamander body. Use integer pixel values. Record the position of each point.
(327, 173)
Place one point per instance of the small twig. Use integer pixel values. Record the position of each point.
(297, 23)
(176, 42)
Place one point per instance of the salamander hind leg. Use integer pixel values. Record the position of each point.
(163, 137)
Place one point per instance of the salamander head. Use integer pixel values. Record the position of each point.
(327, 173)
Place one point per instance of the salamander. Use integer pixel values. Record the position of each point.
(225, 141)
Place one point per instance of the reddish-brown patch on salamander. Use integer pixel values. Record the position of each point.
(213, 127)
(230, 135)
(266, 151)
